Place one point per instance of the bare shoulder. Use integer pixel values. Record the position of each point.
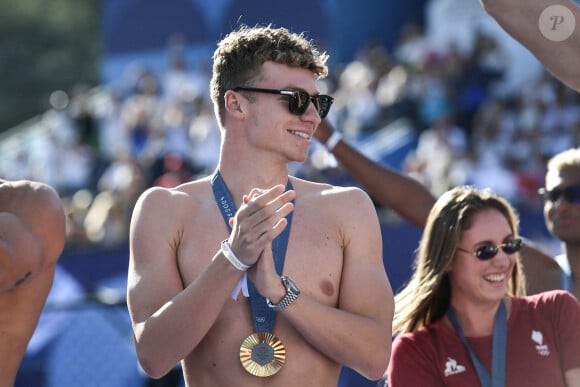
(21, 195)
(330, 191)
(347, 198)
(159, 199)
(38, 206)
(164, 212)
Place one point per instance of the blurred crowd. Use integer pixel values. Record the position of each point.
(100, 147)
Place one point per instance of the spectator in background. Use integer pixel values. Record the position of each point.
(32, 237)
(461, 320)
(561, 196)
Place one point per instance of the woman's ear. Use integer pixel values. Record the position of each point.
(449, 267)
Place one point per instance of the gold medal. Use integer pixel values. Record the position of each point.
(262, 354)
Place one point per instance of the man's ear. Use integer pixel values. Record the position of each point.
(234, 102)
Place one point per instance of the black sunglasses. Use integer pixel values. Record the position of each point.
(571, 194)
(298, 99)
(489, 251)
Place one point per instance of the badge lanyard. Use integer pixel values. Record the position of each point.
(497, 378)
(263, 316)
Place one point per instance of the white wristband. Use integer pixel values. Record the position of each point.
(230, 256)
(333, 140)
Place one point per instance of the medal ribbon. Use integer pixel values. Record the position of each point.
(497, 378)
(263, 316)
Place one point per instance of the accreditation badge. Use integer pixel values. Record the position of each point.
(262, 354)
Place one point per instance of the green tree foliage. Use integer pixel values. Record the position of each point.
(45, 45)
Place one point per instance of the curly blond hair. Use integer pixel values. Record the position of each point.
(239, 56)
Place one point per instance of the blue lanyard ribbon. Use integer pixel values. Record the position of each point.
(497, 378)
(263, 316)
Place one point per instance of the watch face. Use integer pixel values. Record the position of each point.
(291, 286)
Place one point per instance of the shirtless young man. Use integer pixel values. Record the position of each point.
(558, 48)
(337, 306)
(32, 237)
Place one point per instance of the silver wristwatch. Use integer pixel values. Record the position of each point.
(292, 293)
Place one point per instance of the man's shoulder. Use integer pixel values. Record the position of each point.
(24, 189)
(326, 189)
(194, 188)
(344, 199)
(170, 204)
(31, 199)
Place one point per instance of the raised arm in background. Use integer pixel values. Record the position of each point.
(559, 19)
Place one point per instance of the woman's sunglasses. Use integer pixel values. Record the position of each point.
(489, 251)
(571, 194)
(298, 99)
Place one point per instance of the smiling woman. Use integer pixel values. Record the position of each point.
(463, 306)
